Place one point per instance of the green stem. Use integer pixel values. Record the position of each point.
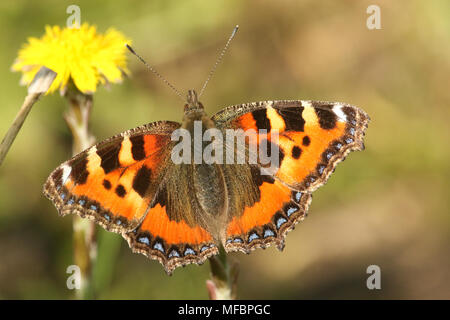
(7, 141)
(40, 84)
(84, 236)
(224, 274)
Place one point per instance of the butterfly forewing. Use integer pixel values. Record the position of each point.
(114, 181)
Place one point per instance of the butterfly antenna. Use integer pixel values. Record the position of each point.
(156, 72)
(219, 59)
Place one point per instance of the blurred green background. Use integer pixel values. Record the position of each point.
(387, 206)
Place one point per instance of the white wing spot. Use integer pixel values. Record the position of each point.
(66, 173)
(337, 109)
(306, 103)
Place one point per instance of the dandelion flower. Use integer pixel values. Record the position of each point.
(82, 56)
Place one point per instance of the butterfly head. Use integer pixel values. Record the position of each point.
(193, 105)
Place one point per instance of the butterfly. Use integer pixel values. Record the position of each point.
(181, 213)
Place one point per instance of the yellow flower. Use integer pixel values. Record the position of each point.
(81, 55)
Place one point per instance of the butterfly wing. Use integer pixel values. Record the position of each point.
(312, 138)
(129, 185)
(114, 181)
(261, 209)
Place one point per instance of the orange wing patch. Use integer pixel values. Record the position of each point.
(268, 220)
(170, 242)
(273, 196)
(112, 191)
(303, 152)
(158, 224)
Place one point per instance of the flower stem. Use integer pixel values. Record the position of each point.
(40, 84)
(7, 141)
(84, 236)
(224, 274)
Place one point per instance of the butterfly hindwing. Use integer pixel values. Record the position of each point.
(264, 212)
(173, 231)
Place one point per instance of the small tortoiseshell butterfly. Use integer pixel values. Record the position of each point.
(180, 213)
